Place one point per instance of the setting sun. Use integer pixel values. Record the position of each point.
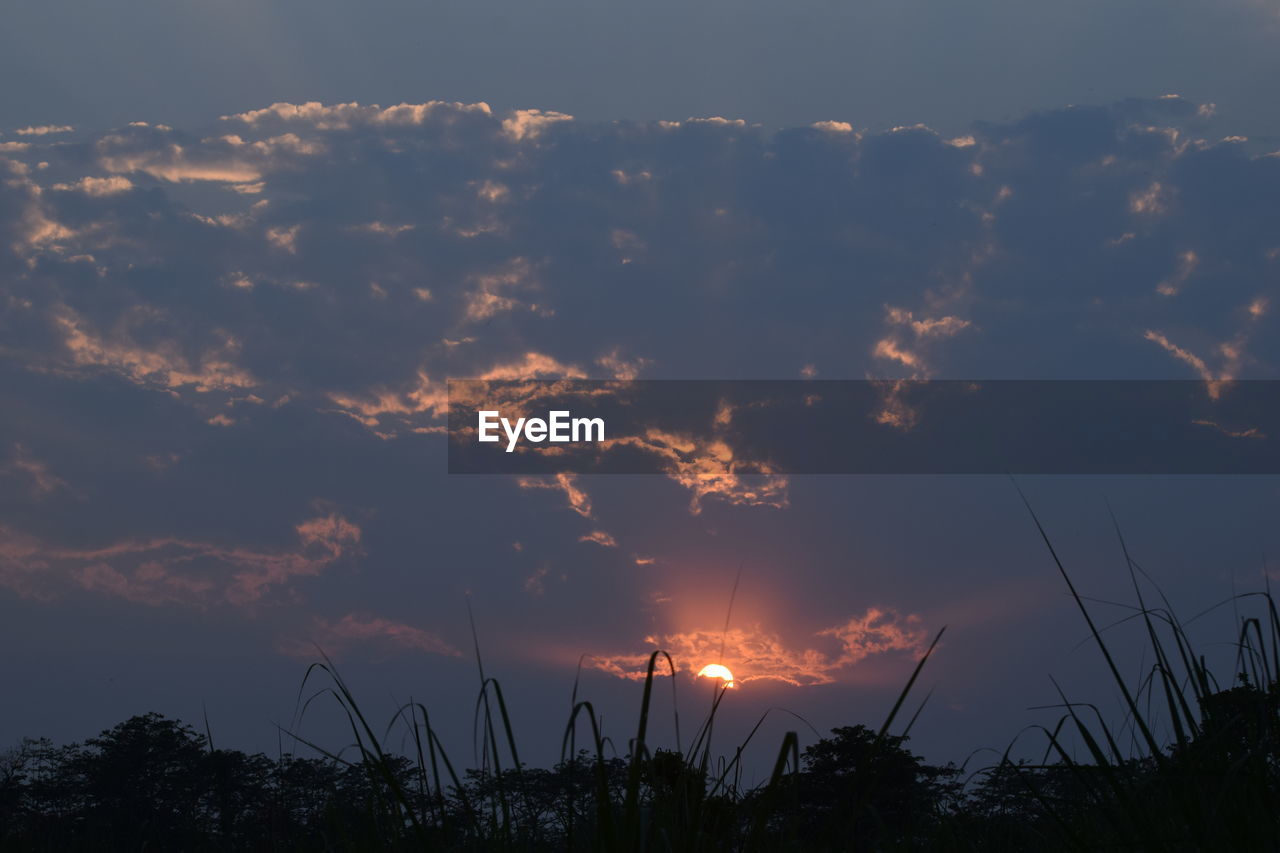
(715, 670)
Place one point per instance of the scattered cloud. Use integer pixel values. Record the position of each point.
(310, 276)
(535, 584)
(452, 254)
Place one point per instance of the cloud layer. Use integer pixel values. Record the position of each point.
(289, 294)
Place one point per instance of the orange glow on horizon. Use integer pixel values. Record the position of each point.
(715, 670)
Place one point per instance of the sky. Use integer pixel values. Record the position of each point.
(243, 247)
(876, 63)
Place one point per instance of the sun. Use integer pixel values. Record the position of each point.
(715, 670)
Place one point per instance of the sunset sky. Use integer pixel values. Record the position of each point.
(244, 245)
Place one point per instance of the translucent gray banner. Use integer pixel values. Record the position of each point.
(713, 428)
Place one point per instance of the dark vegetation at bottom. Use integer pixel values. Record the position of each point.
(1193, 766)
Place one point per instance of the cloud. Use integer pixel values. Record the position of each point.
(285, 239)
(528, 125)
(621, 368)
(755, 653)
(345, 116)
(42, 481)
(422, 405)
(44, 130)
(709, 467)
(334, 637)
(173, 158)
(535, 584)
(531, 365)
(161, 364)
(1244, 432)
(1231, 355)
(170, 570)
(491, 291)
(1194, 361)
(98, 187)
(200, 333)
(579, 501)
(926, 327)
(380, 407)
(442, 239)
(833, 126)
(599, 537)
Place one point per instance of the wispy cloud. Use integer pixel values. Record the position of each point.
(567, 484)
(172, 570)
(336, 636)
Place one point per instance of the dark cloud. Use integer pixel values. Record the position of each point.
(366, 253)
(225, 355)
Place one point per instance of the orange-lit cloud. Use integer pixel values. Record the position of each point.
(43, 481)
(909, 336)
(532, 365)
(160, 365)
(528, 125)
(709, 468)
(422, 405)
(97, 187)
(833, 126)
(35, 228)
(535, 584)
(349, 115)
(1242, 432)
(380, 407)
(621, 368)
(579, 500)
(599, 537)
(1230, 355)
(225, 159)
(1187, 263)
(895, 411)
(1194, 361)
(284, 238)
(44, 129)
(493, 292)
(927, 327)
(172, 570)
(755, 653)
(1151, 201)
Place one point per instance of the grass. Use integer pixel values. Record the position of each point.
(1215, 785)
(1211, 782)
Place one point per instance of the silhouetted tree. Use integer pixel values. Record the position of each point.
(144, 782)
(153, 783)
(858, 790)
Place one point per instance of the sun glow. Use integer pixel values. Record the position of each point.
(715, 670)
